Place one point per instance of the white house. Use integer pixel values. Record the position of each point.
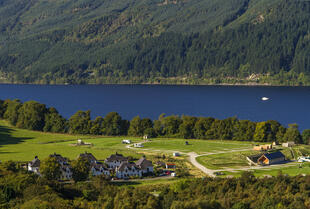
(145, 165)
(34, 165)
(138, 145)
(99, 169)
(126, 170)
(115, 160)
(88, 156)
(66, 171)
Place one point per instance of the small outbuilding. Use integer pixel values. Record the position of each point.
(126, 141)
(288, 144)
(176, 154)
(271, 158)
(170, 165)
(138, 145)
(262, 147)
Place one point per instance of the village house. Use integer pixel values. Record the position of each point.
(88, 156)
(65, 167)
(34, 165)
(271, 158)
(145, 165)
(128, 169)
(96, 168)
(115, 160)
(252, 159)
(99, 169)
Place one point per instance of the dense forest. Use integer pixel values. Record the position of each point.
(35, 116)
(23, 190)
(155, 41)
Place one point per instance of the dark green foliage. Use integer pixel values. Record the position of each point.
(50, 168)
(140, 127)
(113, 125)
(54, 122)
(31, 115)
(2, 108)
(203, 41)
(292, 134)
(306, 136)
(11, 112)
(80, 169)
(80, 122)
(97, 126)
(186, 129)
(24, 190)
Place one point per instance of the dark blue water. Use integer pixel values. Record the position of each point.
(286, 105)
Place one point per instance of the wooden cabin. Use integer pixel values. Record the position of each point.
(271, 158)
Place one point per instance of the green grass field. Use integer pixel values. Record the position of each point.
(195, 145)
(291, 171)
(225, 160)
(22, 145)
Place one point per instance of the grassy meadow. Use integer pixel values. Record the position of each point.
(196, 145)
(22, 145)
(293, 170)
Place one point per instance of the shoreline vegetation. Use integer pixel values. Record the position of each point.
(33, 115)
(252, 80)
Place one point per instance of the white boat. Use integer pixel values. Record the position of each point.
(265, 98)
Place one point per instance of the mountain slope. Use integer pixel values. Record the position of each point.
(154, 41)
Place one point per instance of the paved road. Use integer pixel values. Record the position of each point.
(192, 159)
(210, 172)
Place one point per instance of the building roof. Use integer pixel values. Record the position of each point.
(118, 157)
(88, 156)
(274, 155)
(143, 163)
(254, 158)
(129, 165)
(98, 166)
(59, 158)
(35, 162)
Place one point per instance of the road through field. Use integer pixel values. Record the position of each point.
(211, 172)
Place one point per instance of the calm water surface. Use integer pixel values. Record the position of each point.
(286, 104)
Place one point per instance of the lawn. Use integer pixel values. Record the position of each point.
(195, 145)
(291, 171)
(226, 160)
(22, 145)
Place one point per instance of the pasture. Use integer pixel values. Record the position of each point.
(195, 145)
(22, 145)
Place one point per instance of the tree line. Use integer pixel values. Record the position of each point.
(35, 116)
(21, 189)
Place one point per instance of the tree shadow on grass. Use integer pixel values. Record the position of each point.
(7, 138)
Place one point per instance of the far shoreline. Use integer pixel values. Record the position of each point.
(159, 84)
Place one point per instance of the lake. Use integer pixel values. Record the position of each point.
(286, 104)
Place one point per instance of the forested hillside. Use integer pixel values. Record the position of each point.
(155, 41)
